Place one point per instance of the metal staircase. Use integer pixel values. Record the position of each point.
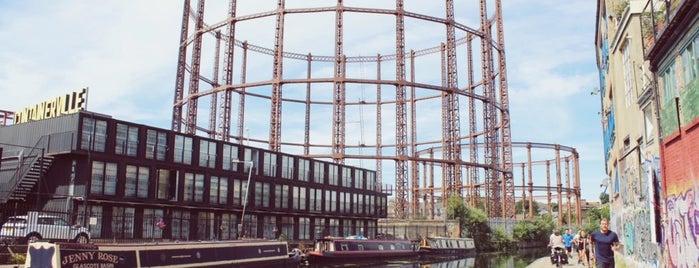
(22, 170)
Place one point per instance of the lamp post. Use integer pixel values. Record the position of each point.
(247, 191)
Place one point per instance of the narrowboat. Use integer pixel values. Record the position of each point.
(358, 248)
(235, 253)
(447, 246)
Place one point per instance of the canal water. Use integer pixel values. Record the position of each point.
(518, 259)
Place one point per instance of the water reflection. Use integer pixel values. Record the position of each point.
(518, 259)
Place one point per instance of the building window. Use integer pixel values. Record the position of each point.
(180, 225)
(94, 135)
(126, 140)
(238, 191)
(183, 149)
(330, 201)
(218, 190)
(156, 144)
(123, 222)
(690, 61)
(669, 78)
(304, 169)
(281, 196)
(270, 164)
(288, 227)
(262, 194)
(104, 178)
(228, 227)
(207, 154)
(199, 188)
(346, 177)
(299, 198)
(150, 217)
(318, 172)
(648, 126)
(316, 200)
(348, 203)
(136, 181)
(193, 187)
(93, 211)
(333, 174)
(304, 228)
(370, 181)
(167, 185)
(343, 203)
(287, 167)
(230, 153)
(251, 155)
(358, 179)
(269, 224)
(628, 75)
(205, 227)
(334, 227)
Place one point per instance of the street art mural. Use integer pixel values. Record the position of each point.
(633, 217)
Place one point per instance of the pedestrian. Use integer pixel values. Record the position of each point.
(605, 242)
(583, 245)
(568, 241)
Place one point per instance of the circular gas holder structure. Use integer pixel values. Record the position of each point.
(363, 83)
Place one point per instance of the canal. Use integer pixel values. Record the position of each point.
(518, 259)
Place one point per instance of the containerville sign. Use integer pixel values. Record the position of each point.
(66, 104)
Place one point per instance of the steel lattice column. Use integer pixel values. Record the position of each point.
(275, 126)
(505, 131)
(338, 144)
(191, 123)
(181, 65)
(401, 114)
(228, 56)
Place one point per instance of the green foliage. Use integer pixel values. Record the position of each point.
(501, 240)
(537, 229)
(594, 215)
(620, 7)
(519, 205)
(283, 237)
(473, 222)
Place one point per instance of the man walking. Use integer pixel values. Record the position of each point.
(605, 242)
(568, 241)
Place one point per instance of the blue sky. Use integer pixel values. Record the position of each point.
(126, 52)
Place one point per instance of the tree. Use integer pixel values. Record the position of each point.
(594, 215)
(537, 229)
(519, 205)
(472, 222)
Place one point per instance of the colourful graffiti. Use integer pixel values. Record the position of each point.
(633, 215)
(681, 230)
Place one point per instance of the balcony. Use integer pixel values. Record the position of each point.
(657, 16)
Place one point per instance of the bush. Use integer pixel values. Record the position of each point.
(472, 221)
(537, 229)
(501, 240)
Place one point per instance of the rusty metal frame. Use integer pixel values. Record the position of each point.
(485, 88)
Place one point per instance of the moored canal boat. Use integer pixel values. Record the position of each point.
(236, 253)
(359, 248)
(447, 246)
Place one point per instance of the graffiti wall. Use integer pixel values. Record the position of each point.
(633, 214)
(681, 222)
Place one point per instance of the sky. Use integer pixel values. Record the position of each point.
(125, 51)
